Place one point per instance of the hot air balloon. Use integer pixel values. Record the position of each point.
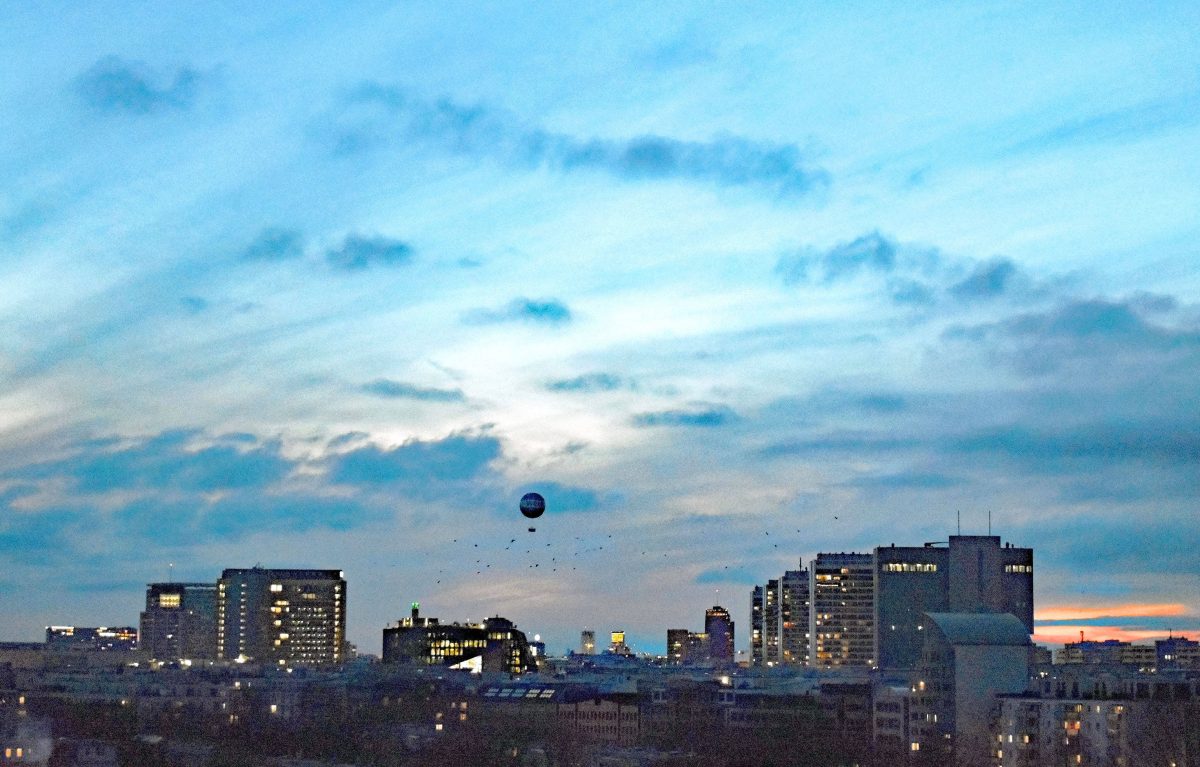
(532, 506)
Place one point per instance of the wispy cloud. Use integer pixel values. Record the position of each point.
(377, 114)
(384, 387)
(115, 85)
(275, 244)
(706, 417)
(590, 382)
(546, 311)
(358, 252)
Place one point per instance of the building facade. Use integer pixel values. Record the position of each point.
(281, 616)
(180, 621)
(756, 626)
(794, 645)
(719, 628)
(842, 617)
(494, 645)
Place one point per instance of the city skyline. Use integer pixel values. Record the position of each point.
(728, 289)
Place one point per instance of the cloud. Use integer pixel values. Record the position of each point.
(872, 252)
(358, 252)
(457, 458)
(1117, 125)
(989, 279)
(113, 84)
(589, 382)
(547, 311)
(377, 114)
(383, 387)
(737, 575)
(906, 481)
(275, 244)
(167, 461)
(708, 416)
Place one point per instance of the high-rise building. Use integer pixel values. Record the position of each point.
(842, 617)
(587, 642)
(756, 626)
(617, 646)
(284, 617)
(970, 574)
(180, 621)
(771, 656)
(794, 618)
(720, 630)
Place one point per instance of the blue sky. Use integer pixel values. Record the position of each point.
(335, 289)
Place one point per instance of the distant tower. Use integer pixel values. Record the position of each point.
(587, 642)
(719, 628)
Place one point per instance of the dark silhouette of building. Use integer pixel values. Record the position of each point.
(180, 621)
(284, 617)
(91, 638)
(756, 626)
(719, 628)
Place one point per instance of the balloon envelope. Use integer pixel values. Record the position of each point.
(532, 505)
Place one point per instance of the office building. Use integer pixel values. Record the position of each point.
(756, 626)
(1177, 652)
(677, 645)
(1108, 651)
(284, 617)
(98, 638)
(842, 613)
(180, 621)
(719, 628)
(494, 645)
(617, 644)
(969, 573)
(587, 642)
(794, 618)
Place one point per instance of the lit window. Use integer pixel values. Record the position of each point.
(276, 587)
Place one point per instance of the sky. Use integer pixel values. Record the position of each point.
(333, 287)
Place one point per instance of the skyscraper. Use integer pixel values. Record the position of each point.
(842, 618)
(794, 618)
(180, 621)
(587, 642)
(281, 617)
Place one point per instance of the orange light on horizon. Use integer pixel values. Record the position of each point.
(1066, 634)
(1126, 610)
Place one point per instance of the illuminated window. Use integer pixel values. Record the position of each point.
(276, 587)
(169, 600)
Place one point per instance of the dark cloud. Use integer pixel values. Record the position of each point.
(1151, 543)
(358, 252)
(115, 85)
(872, 252)
(1106, 443)
(988, 280)
(383, 387)
(548, 311)
(166, 461)
(457, 458)
(275, 244)
(708, 416)
(377, 114)
(589, 382)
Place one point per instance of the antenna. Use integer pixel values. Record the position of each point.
(170, 572)
(989, 521)
(959, 513)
